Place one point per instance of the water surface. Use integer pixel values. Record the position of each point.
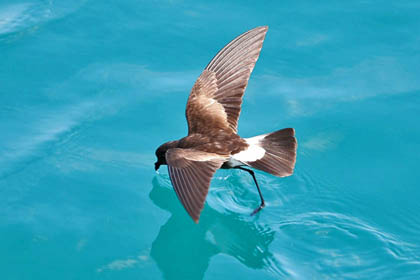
(89, 89)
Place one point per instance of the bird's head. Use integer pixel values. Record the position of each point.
(161, 153)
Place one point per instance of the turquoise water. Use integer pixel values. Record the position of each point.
(89, 89)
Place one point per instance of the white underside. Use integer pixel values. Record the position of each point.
(232, 163)
(252, 153)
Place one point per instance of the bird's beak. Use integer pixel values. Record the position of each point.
(157, 164)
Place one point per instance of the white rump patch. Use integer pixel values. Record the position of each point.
(253, 152)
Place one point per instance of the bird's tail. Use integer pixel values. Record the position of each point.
(274, 152)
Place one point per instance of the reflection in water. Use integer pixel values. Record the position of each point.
(182, 249)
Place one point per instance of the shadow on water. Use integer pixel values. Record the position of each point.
(183, 249)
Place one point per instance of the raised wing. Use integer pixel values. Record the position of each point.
(216, 97)
(191, 172)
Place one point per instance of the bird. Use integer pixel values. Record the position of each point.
(212, 143)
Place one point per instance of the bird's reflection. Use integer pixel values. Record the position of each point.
(183, 249)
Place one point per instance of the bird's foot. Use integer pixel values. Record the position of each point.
(258, 209)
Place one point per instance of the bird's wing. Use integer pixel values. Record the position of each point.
(216, 97)
(191, 172)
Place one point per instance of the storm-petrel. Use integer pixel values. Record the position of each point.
(212, 113)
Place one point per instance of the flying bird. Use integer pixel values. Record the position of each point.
(212, 114)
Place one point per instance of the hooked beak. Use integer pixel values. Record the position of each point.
(157, 164)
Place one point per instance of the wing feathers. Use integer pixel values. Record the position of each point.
(191, 172)
(226, 50)
(224, 80)
(232, 62)
(232, 48)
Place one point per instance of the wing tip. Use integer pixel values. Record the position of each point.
(262, 28)
(259, 30)
(195, 216)
(196, 220)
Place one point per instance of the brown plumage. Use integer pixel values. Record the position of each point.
(212, 114)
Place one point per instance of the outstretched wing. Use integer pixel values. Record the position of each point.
(216, 97)
(191, 172)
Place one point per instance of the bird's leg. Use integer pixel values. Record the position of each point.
(258, 187)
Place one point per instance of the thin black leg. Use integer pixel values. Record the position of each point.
(258, 187)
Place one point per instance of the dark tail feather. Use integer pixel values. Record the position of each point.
(280, 153)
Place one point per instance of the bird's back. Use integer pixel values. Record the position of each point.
(219, 142)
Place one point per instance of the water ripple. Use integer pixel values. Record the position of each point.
(309, 215)
(338, 242)
(18, 16)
